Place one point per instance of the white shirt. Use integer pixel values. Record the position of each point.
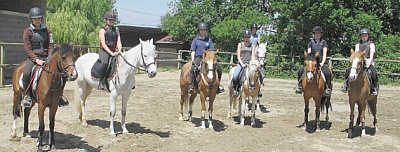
(371, 50)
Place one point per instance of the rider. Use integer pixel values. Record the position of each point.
(245, 52)
(200, 43)
(110, 45)
(38, 44)
(367, 45)
(255, 39)
(317, 44)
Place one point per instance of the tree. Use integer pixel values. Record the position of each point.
(225, 19)
(77, 20)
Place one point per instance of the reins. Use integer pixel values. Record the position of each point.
(144, 63)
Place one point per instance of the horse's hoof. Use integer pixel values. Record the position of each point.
(26, 135)
(180, 118)
(363, 133)
(210, 126)
(113, 134)
(84, 123)
(125, 131)
(15, 138)
(40, 149)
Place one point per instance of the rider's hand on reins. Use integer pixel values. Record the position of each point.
(39, 62)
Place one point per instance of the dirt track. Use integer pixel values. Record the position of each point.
(153, 112)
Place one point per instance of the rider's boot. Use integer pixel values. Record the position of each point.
(63, 101)
(298, 89)
(190, 79)
(344, 87)
(235, 89)
(102, 83)
(220, 89)
(327, 92)
(27, 100)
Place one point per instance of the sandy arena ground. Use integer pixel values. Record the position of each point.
(153, 112)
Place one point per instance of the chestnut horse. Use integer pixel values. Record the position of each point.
(313, 87)
(207, 86)
(48, 90)
(250, 88)
(359, 92)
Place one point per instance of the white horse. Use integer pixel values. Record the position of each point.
(249, 88)
(139, 57)
(261, 51)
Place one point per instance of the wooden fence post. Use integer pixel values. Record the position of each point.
(179, 58)
(2, 62)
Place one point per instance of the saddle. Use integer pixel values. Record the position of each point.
(35, 75)
(111, 69)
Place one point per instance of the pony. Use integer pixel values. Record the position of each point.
(261, 51)
(47, 91)
(207, 86)
(140, 57)
(359, 92)
(250, 88)
(313, 87)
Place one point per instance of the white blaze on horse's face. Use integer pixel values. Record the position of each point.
(353, 71)
(210, 74)
(252, 75)
(309, 73)
(148, 56)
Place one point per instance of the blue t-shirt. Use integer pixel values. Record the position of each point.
(199, 45)
(254, 39)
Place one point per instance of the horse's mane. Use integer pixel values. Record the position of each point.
(359, 54)
(311, 57)
(64, 48)
(209, 55)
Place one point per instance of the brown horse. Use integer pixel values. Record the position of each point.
(207, 86)
(313, 87)
(48, 90)
(359, 92)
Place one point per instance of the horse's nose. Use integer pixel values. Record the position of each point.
(152, 74)
(252, 87)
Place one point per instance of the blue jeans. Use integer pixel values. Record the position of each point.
(235, 77)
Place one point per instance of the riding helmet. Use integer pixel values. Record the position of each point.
(35, 12)
(246, 33)
(317, 29)
(110, 15)
(202, 25)
(254, 25)
(364, 31)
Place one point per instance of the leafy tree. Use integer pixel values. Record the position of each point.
(77, 20)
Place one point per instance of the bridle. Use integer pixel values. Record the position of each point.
(60, 70)
(142, 57)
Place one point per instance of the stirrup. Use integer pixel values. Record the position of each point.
(374, 92)
(259, 94)
(220, 89)
(235, 93)
(327, 92)
(191, 89)
(26, 101)
(343, 88)
(298, 90)
(63, 101)
(101, 85)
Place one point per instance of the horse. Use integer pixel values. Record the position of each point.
(47, 91)
(359, 93)
(140, 57)
(261, 51)
(313, 87)
(250, 88)
(207, 86)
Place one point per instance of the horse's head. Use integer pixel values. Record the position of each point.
(67, 58)
(261, 51)
(149, 54)
(210, 62)
(311, 65)
(357, 62)
(253, 73)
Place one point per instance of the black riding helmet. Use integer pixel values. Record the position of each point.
(202, 25)
(110, 15)
(35, 13)
(246, 33)
(254, 25)
(317, 29)
(364, 31)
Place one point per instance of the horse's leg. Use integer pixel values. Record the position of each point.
(203, 110)
(27, 112)
(306, 110)
(253, 111)
(231, 98)
(191, 101)
(125, 98)
(317, 112)
(184, 102)
(210, 110)
(41, 110)
(247, 101)
(327, 105)
(84, 90)
(360, 109)
(113, 102)
(52, 116)
(242, 109)
(363, 105)
(16, 114)
(258, 103)
(350, 131)
(372, 106)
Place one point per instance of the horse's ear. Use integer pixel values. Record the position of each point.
(71, 43)
(363, 53)
(305, 54)
(58, 45)
(204, 51)
(351, 51)
(317, 54)
(140, 40)
(217, 51)
(151, 41)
